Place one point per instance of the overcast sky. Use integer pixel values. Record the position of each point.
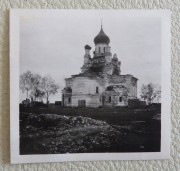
(53, 43)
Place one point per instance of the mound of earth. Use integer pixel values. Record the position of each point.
(52, 134)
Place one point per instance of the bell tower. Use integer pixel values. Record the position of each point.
(87, 58)
(102, 47)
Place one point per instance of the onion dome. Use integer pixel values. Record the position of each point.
(87, 47)
(101, 38)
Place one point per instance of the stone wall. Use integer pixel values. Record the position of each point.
(90, 100)
(116, 95)
(86, 86)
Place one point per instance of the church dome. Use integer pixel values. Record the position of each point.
(101, 38)
(87, 47)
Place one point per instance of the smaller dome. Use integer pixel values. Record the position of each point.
(101, 38)
(87, 47)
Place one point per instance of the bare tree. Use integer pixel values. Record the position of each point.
(26, 82)
(49, 87)
(37, 94)
(150, 92)
(36, 89)
(157, 93)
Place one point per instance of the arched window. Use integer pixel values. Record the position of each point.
(120, 99)
(97, 90)
(109, 98)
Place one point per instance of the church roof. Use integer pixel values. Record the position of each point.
(101, 37)
(89, 73)
(113, 87)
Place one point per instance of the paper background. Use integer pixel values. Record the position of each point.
(172, 164)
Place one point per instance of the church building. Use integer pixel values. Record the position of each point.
(100, 82)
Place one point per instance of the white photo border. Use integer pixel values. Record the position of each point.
(15, 15)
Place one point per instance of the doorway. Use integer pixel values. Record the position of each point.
(82, 103)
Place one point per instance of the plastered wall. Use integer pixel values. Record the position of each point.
(170, 165)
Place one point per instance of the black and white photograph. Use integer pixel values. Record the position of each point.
(89, 85)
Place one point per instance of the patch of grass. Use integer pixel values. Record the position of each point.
(117, 116)
(76, 130)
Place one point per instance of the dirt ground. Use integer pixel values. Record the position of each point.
(87, 130)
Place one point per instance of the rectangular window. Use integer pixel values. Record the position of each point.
(99, 50)
(97, 90)
(69, 100)
(109, 99)
(104, 49)
(120, 99)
